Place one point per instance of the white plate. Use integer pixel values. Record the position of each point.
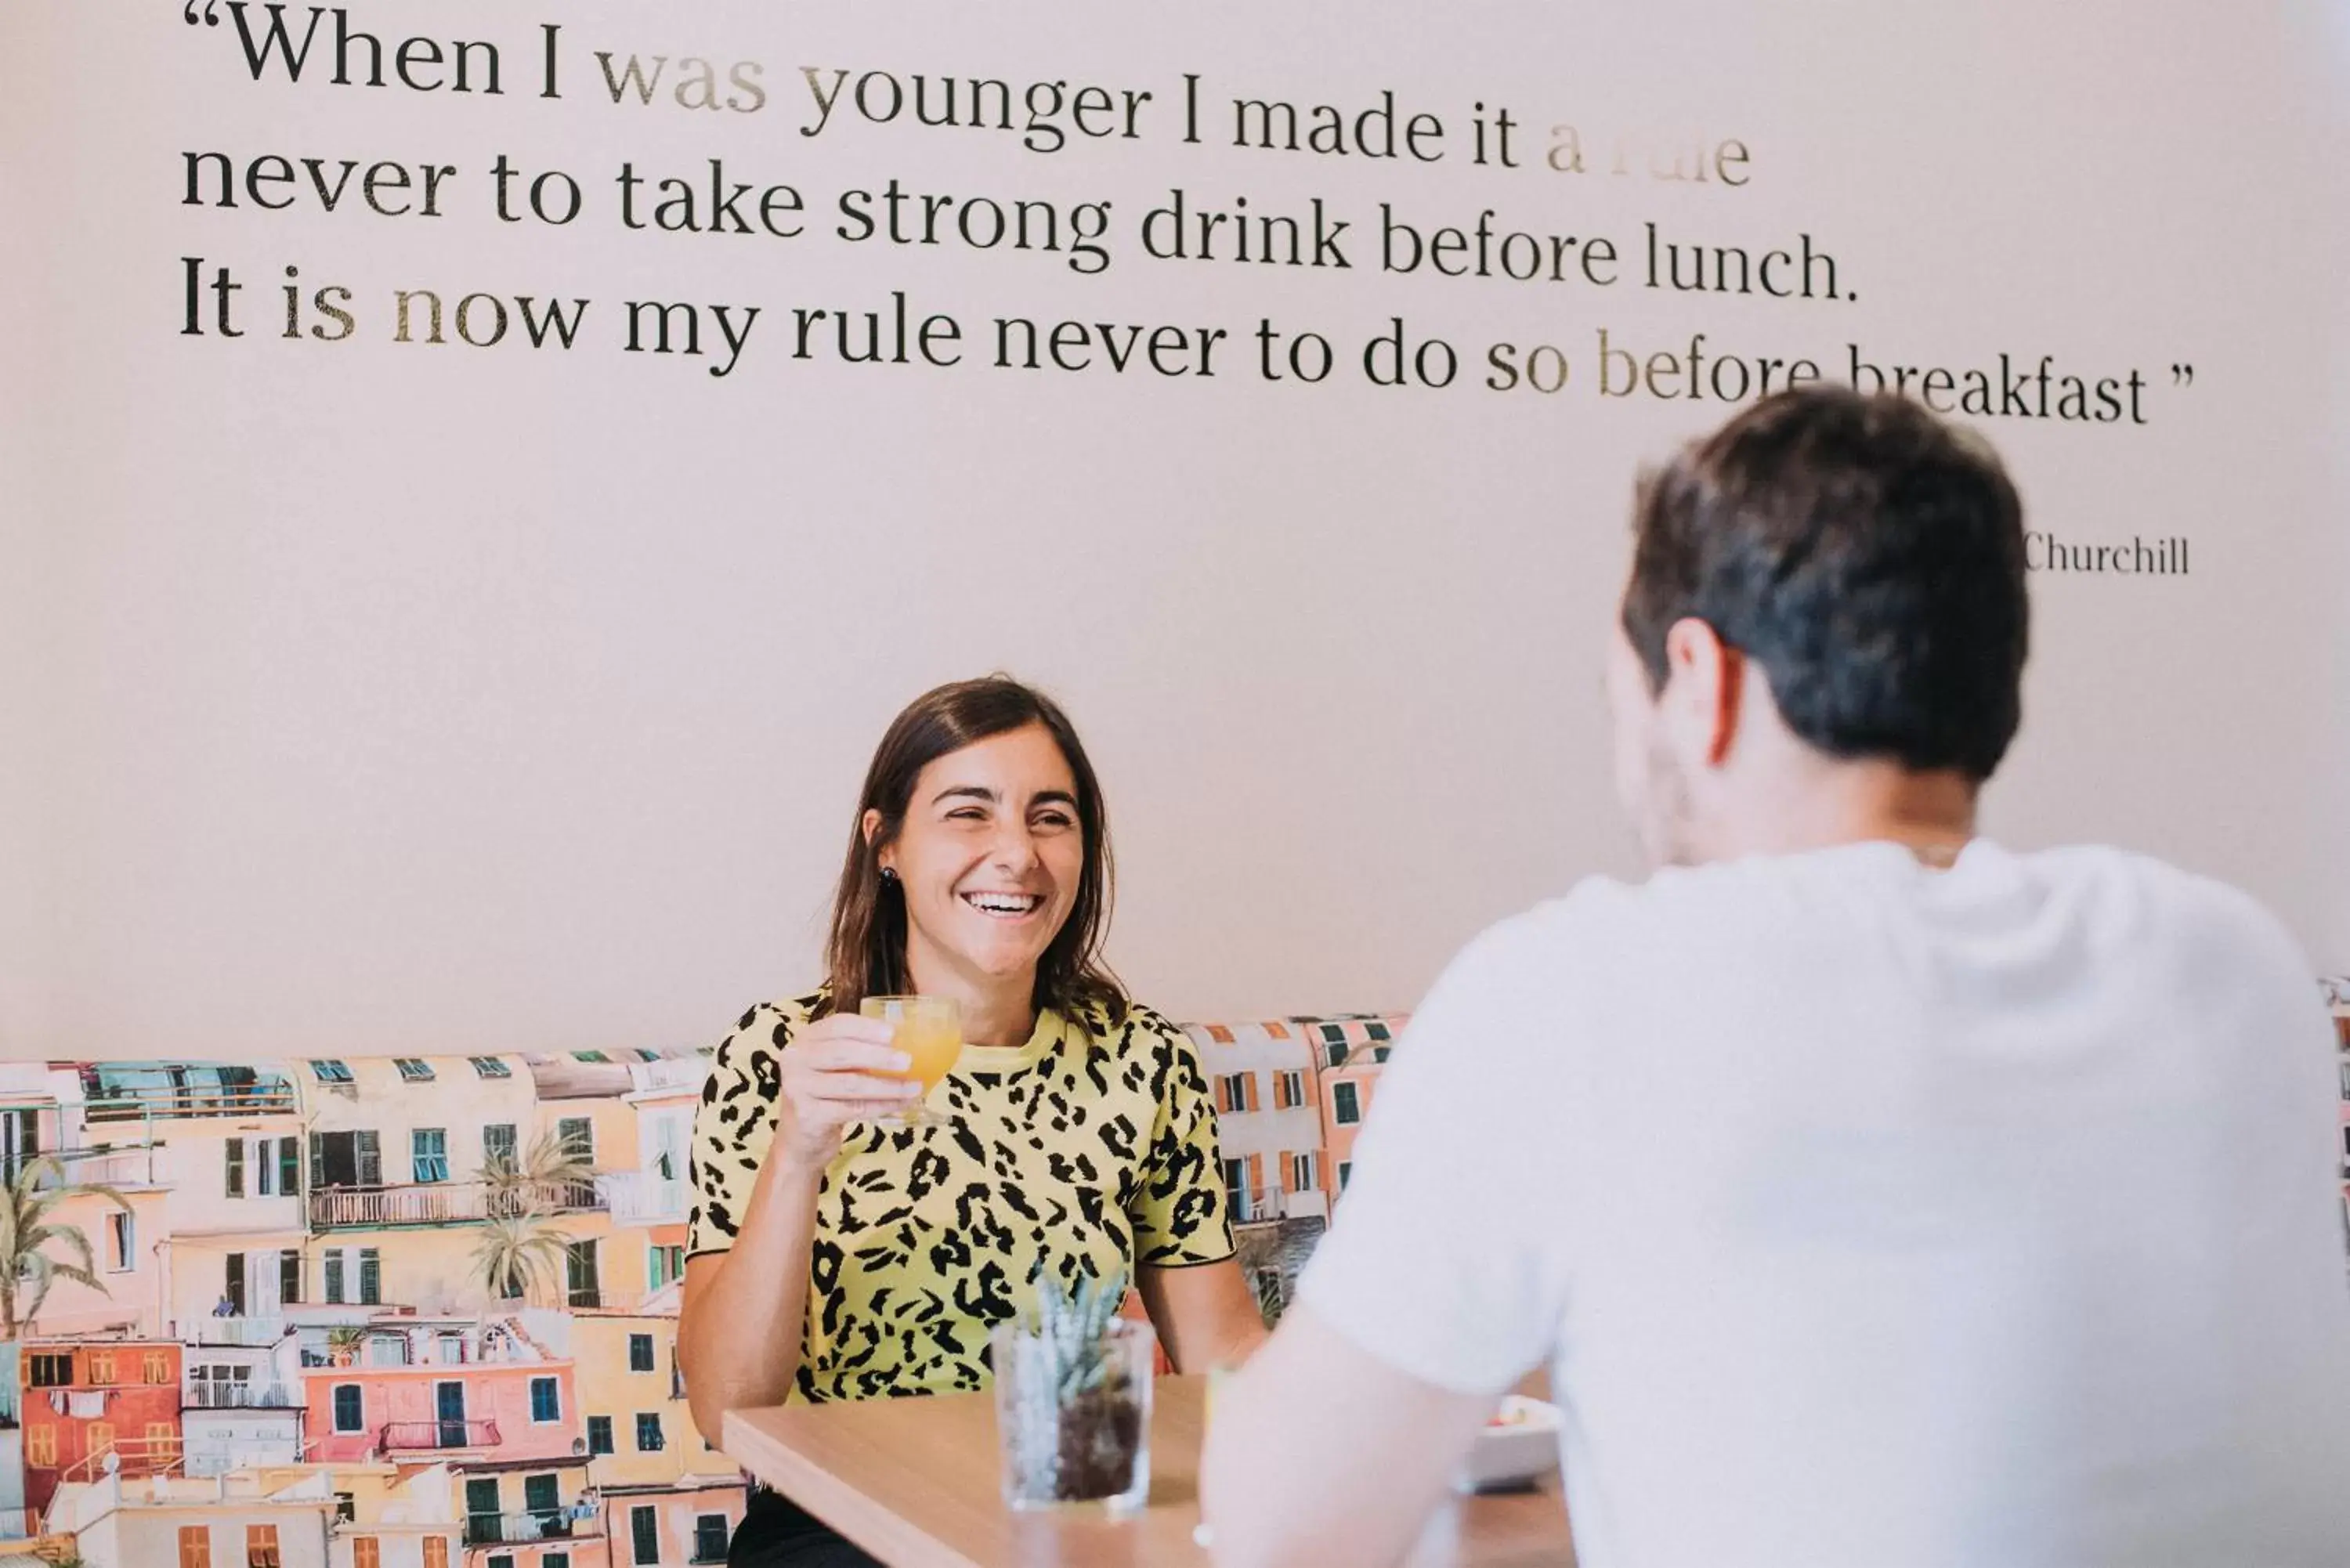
(1512, 1455)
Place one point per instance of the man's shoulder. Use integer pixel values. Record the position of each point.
(1598, 932)
(1768, 909)
(1606, 913)
(2148, 901)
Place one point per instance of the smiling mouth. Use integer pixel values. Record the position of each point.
(1005, 906)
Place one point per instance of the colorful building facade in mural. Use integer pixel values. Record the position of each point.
(341, 1313)
(421, 1313)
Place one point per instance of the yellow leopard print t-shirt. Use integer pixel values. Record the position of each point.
(1092, 1148)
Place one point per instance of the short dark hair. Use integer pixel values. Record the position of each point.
(866, 954)
(1869, 555)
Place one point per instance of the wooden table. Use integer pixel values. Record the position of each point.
(914, 1482)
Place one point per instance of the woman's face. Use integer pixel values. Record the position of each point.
(989, 856)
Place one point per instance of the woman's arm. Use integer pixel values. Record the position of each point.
(746, 1307)
(1189, 1276)
(1205, 1314)
(739, 1328)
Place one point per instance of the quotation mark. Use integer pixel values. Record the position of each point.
(2182, 375)
(212, 13)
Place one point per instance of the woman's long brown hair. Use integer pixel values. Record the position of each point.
(867, 951)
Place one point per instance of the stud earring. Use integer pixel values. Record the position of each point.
(888, 874)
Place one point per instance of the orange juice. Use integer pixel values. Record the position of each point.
(933, 1043)
(928, 1030)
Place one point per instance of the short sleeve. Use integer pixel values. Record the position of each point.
(734, 1125)
(1447, 1255)
(1181, 1215)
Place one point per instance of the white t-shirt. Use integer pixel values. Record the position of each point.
(1877, 1217)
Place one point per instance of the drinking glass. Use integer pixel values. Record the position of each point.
(1073, 1418)
(928, 1030)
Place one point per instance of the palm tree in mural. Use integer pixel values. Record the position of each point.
(521, 1256)
(550, 1174)
(27, 1270)
(522, 1250)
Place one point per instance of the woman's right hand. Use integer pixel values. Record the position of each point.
(831, 1076)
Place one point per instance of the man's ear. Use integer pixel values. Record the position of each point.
(1705, 688)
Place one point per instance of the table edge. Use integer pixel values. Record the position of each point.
(865, 1525)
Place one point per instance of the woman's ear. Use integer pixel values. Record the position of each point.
(870, 826)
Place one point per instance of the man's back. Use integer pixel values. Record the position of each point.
(1882, 1216)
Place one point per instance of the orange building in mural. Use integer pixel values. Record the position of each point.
(80, 1400)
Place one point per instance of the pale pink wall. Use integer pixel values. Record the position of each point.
(333, 666)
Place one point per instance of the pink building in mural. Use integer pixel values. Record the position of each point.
(1352, 1053)
(498, 1399)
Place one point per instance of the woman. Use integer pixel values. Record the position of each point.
(835, 1256)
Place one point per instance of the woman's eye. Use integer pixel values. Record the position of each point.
(967, 814)
(1055, 819)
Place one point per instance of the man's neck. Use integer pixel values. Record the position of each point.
(1931, 813)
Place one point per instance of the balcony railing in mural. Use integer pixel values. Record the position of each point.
(1250, 1204)
(241, 1396)
(121, 1168)
(443, 1203)
(87, 1166)
(223, 1333)
(676, 1073)
(522, 1529)
(431, 1436)
(122, 1094)
(393, 1349)
(643, 1197)
(127, 1457)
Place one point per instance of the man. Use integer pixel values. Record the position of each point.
(1880, 1198)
